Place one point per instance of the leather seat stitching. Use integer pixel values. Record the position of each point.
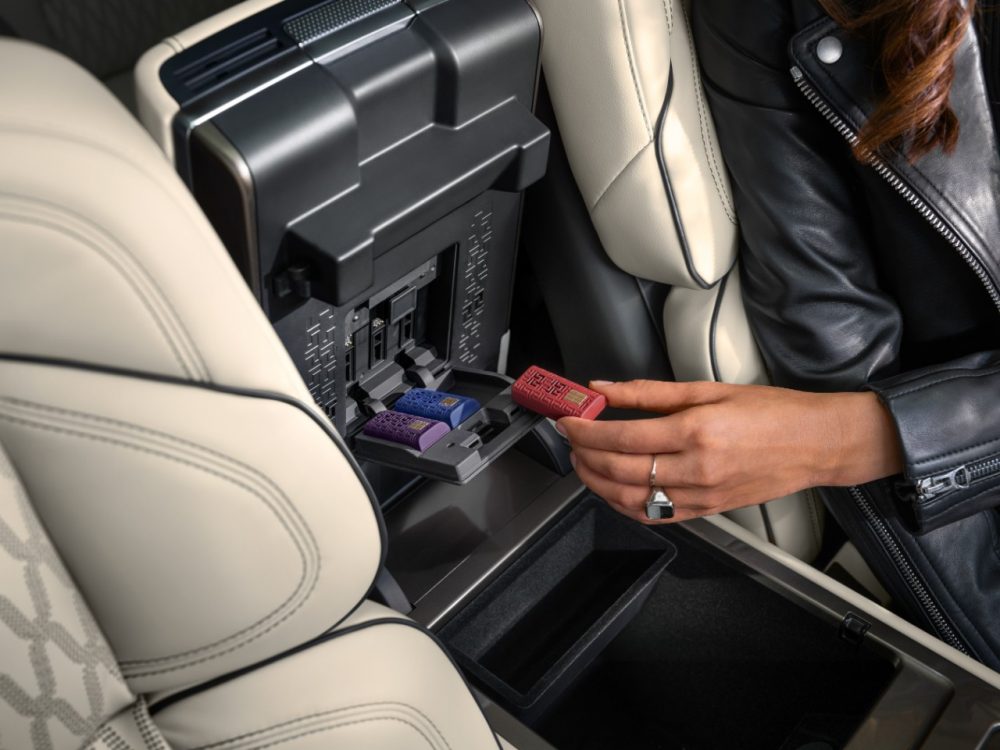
(128, 428)
(699, 95)
(631, 65)
(140, 276)
(331, 714)
(156, 295)
(122, 272)
(167, 190)
(343, 724)
(615, 179)
(669, 12)
(298, 592)
(125, 431)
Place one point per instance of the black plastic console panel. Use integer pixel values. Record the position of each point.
(363, 162)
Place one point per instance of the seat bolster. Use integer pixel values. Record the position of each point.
(639, 136)
(378, 681)
(709, 338)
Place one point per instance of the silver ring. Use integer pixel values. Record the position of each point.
(659, 506)
(652, 473)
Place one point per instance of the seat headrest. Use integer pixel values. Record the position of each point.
(628, 97)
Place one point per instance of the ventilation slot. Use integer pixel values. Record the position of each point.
(228, 62)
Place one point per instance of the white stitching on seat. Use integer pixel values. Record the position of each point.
(615, 179)
(388, 706)
(703, 119)
(112, 253)
(311, 562)
(631, 64)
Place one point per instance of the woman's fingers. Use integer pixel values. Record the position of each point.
(631, 468)
(660, 435)
(630, 500)
(659, 396)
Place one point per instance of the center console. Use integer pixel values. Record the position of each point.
(364, 163)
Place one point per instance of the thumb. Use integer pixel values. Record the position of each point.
(656, 395)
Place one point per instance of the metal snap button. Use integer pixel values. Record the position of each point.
(829, 50)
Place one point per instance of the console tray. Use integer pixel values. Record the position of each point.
(469, 448)
(538, 626)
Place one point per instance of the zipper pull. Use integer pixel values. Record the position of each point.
(796, 73)
(931, 487)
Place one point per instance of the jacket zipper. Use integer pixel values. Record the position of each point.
(916, 585)
(881, 530)
(897, 183)
(957, 479)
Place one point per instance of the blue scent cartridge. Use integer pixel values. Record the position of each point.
(444, 407)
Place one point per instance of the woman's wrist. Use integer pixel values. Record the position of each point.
(862, 444)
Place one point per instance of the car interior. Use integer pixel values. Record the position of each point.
(234, 234)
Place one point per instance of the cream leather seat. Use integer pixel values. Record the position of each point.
(178, 522)
(105, 36)
(628, 98)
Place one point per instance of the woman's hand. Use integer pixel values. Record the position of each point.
(722, 446)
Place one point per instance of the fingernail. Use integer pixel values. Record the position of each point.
(572, 459)
(600, 383)
(560, 429)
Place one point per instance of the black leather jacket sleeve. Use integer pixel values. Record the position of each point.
(810, 282)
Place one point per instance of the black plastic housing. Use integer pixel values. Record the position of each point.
(363, 162)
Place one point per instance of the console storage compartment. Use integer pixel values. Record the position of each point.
(470, 447)
(538, 626)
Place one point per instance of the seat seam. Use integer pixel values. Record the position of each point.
(138, 273)
(166, 189)
(122, 273)
(615, 179)
(699, 94)
(627, 38)
(321, 714)
(669, 12)
(305, 595)
(341, 725)
(126, 428)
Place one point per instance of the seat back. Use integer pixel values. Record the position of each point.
(627, 93)
(169, 493)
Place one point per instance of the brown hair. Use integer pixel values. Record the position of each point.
(918, 41)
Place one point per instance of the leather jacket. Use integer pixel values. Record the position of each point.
(882, 276)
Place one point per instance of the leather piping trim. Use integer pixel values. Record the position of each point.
(713, 327)
(717, 374)
(330, 635)
(232, 391)
(675, 212)
(655, 320)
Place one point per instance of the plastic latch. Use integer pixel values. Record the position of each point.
(420, 376)
(854, 628)
(295, 279)
(372, 406)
